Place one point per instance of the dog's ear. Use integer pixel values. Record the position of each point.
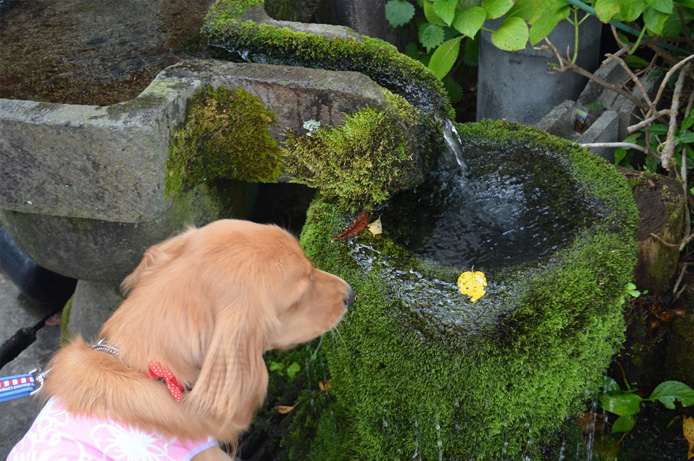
(233, 378)
(156, 257)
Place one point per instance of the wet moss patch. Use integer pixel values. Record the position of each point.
(225, 136)
(362, 162)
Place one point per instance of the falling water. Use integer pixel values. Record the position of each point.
(454, 154)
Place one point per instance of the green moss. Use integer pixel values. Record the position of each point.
(65, 336)
(364, 160)
(233, 37)
(225, 136)
(495, 387)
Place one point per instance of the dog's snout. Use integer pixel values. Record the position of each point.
(349, 297)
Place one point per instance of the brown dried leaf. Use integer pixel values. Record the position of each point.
(357, 225)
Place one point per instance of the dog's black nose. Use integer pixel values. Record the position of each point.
(349, 298)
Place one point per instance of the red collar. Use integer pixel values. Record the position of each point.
(157, 371)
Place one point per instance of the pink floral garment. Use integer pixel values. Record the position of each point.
(59, 435)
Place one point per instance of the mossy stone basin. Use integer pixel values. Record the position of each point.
(420, 371)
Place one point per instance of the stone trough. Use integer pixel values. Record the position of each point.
(82, 188)
(85, 189)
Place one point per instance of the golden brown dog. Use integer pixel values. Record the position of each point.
(203, 306)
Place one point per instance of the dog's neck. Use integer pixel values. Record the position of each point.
(155, 370)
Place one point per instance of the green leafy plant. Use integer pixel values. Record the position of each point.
(627, 403)
(632, 291)
(281, 369)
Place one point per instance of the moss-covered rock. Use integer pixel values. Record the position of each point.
(225, 136)
(376, 152)
(411, 380)
(241, 30)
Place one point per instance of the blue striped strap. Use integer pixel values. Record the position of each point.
(14, 387)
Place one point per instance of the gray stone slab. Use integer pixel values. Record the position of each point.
(108, 163)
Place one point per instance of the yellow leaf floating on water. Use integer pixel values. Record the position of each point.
(688, 431)
(472, 284)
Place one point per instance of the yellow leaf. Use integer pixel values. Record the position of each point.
(688, 431)
(324, 386)
(472, 284)
(376, 227)
(283, 409)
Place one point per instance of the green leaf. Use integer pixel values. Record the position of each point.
(547, 22)
(658, 128)
(654, 20)
(673, 26)
(472, 51)
(664, 6)
(512, 35)
(610, 386)
(686, 123)
(621, 403)
(469, 21)
(276, 366)
(619, 154)
(651, 164)
(496, 8)
(430, 14)
(444, 57)
(453, 88)
(667, 391)
(623, 424)
(635, 62)
(529, 10)
(629, 10)
(412, 50)
(293, 369)
(399, 12)
(430, 36)
(445, 9)
(606, 9)
(686, 138)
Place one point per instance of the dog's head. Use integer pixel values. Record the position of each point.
(208, 303)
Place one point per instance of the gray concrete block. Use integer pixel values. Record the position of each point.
(604, 129)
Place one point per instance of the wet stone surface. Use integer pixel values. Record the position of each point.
(91, 52)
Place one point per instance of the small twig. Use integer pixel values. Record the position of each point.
(681, 276)
(669, 149)
(648, 121)
(590, 145)
(669, 74)
(636, 80)
(565, 66)
(664, 242)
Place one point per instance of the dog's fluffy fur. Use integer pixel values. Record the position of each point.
(206, 305)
